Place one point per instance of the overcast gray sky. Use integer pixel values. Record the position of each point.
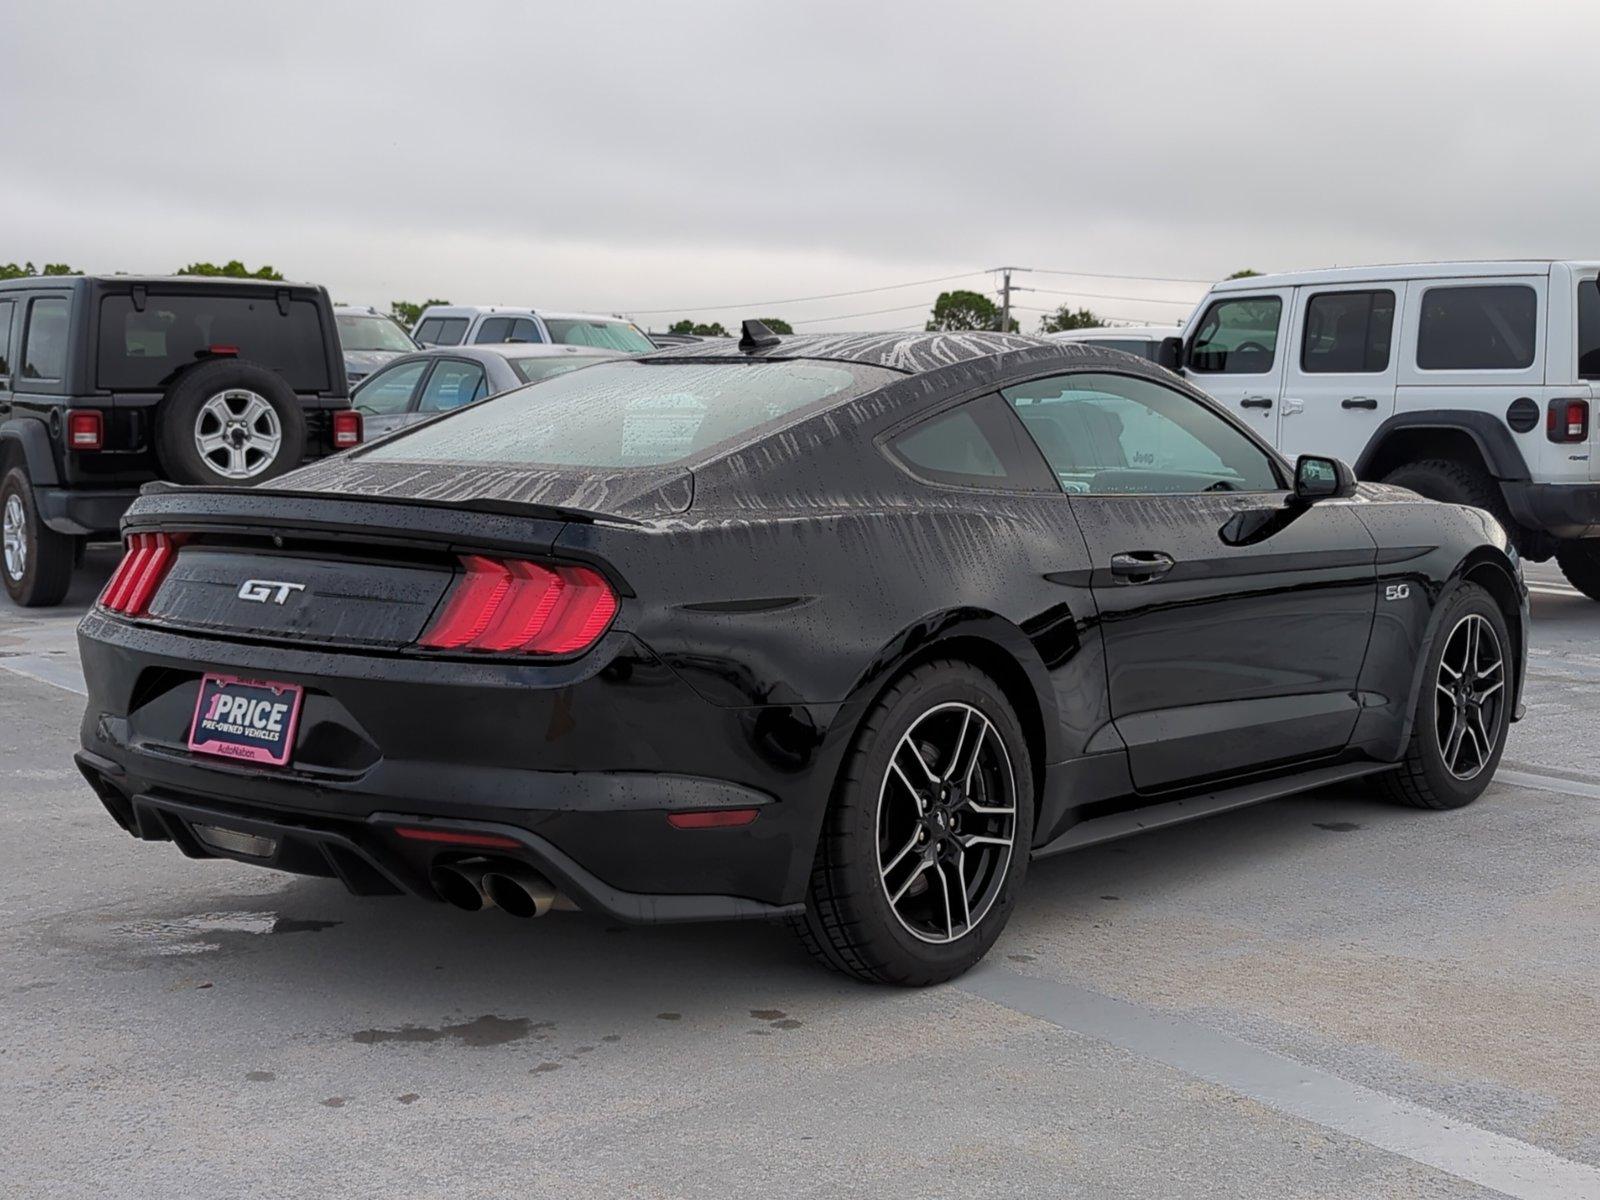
(637, 156)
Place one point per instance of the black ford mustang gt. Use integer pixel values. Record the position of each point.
(841, 629)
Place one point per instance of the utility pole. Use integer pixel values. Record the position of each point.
(1005, 295)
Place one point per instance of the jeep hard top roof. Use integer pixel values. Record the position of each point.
(123, 281)
(1378, 273)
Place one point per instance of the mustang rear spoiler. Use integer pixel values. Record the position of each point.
(499, 507)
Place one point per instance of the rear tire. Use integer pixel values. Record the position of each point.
(1580, 563)
(1454, 482)
(1456, 741)
(229, 422)
(37, 562)
(883, 904)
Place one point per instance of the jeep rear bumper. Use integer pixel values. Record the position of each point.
(1561, 510)
(80, 511)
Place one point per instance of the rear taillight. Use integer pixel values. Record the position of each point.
(140, 573)
(519, 607)
(1567, 421)
(86, 429)
(346, 428)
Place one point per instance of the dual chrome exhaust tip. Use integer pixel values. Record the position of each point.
(479, 884)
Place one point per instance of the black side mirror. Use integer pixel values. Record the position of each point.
(1170, 353)
(1319, 477)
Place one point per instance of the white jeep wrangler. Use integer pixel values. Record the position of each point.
(1468, 382)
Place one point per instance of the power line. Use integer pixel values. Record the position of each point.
(752, 304)
(848, 316)
(1097, 275)
(1105, 296)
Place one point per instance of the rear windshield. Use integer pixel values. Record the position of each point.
(442, 331)
(630, 414)
(144, 350)
(608, 335)
(532, 370)
(369, 332)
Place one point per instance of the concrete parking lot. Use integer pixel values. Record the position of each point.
(1320, 997)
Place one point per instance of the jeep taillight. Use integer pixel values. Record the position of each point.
(512, 606)
(133, 584)
(346, 428)
(86, 429)
(1567, 421)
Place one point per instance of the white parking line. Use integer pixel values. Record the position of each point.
(1547, 783)
(57, 672)
(1480, 1156)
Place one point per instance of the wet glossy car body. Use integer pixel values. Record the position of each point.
(769, 589)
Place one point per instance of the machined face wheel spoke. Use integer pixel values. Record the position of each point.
(1470, 696)
(945, 857)
(237, 432)
(16, 541)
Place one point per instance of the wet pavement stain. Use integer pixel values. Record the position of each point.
(545, 1066)
(1337, 826)
(482, 1031)
(333, 1102)
(612, 1037)
(768, 1014)
(790, 1023)
(260, 1076)
(1022, 958)
(408, 1098)
(1111, 897)
(669, 1016)
(296, 925)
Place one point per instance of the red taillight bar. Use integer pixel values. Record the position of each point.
(522, 607)
(133, 584)
(458, 837)
(721, 818)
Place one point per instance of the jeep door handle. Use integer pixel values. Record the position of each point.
(1140, 566)
(1256, 402)
(1358, 402)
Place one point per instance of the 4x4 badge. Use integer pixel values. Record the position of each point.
(263, 590)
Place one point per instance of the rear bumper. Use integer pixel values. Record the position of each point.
(1559, 509)
(80, 511)
(580, 763)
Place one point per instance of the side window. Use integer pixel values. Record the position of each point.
(44, 344)
(1237, 336)
(1589, 329)
(524, 330)
(452, 384)
(1108, 435)
(388, 392)
(442, 331)
(1347, 333)
(1478, 328)
(978, 444)
(494, 329)
(5, 341)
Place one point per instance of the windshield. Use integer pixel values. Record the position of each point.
(532, 370)
(630, 414)
(372, 332)
(593, 331)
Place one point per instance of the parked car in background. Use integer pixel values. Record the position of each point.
(109, 382)
(807, 628)
(369, 339)
(1142, 340)
(471, 325)
(421, 384)
(1471, 382)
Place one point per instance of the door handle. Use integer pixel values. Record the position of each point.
(1358, 402)
(1140, 566)
(1256, 402)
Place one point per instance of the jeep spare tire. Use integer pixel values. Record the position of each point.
(229, 422)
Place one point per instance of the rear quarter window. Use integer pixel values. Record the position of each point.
(143, 349)
(1492, 328)
(623, 414)
(442, 331)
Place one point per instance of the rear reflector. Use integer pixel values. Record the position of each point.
(521, 607)
(347, 428)
(458, 837)
(86, 429)
(223, 351)
(721, 818)
(1567, 421)
(133, 584)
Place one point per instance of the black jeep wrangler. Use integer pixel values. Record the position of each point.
(108, 382)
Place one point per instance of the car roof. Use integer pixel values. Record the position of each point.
(484, 351)
(1153, 332)
(228, 281)
(1383, 272)
(503, 310)
(912, 353)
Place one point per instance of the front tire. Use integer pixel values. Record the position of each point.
(926, 840)
(1463, 710)
(37, 562)
(1580, 563)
